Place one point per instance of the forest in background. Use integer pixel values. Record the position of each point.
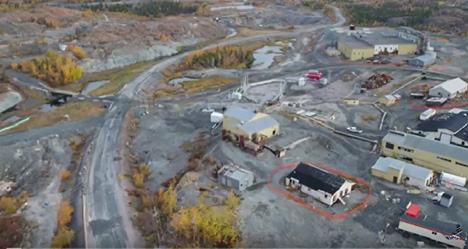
(149, 9)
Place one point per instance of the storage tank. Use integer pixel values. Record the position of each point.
(452, 179)
(216, 117)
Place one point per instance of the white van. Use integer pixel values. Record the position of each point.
(427, 114)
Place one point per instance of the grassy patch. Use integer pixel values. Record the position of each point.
(119, 79)
(76, 111)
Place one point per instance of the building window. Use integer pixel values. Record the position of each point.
(461, 164)
(389, 146)
(434, 233)
(405, 149)
(407, 158)
(444, 159)
(326, 196)
(274, 132)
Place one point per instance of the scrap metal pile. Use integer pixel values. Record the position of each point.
(376, 81)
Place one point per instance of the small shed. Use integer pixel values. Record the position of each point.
(235, 177)
(445, 199)
(351, 101)
(387, 100)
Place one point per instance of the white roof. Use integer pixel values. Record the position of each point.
(411, 170)
(453, 85)
(390, 97)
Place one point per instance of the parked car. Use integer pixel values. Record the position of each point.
(354, 130)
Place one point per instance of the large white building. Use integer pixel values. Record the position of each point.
(449, 89)
(318, 183)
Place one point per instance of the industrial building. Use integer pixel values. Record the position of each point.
(449, 89)
(414, 36)
(454, 124)
(400, 172)
(413, 222)
(437, 155)
(242, 124)
(318, 183)
(235, 177)
(427, 59)
(360, 46)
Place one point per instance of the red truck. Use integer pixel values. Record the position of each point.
(314, 75)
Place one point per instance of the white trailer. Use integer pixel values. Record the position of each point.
(413, 222)
(427, 114)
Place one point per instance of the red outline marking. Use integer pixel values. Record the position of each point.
(455, 105)
(323, 213)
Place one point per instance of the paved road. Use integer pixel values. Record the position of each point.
(109, 223)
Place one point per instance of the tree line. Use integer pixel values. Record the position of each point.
(150, 9)
(54, 68)
(232, 56)
(363, 14)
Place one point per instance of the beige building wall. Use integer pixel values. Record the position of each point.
(355, 53)
(388, 175)
(426, 159)
(407, 48)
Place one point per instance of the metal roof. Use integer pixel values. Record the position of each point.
(383, 163)
(429, 145)
(353, 42)
(450, 121)
(428, 58)
(240, 113)
(390, 97)
(316, 178)
(432, 223)
(258, 125)
(452, 86)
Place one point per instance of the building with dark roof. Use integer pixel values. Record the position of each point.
(318, 183)
(413, 222)
(454, 124)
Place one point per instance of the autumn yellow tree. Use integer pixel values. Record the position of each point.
(64, 214)
(63, 239)
(77, 51)
(232, 201)
(8, 204)
(87, 13)
(65, 175)
(207, 226)
(138, 180)
(167, 200)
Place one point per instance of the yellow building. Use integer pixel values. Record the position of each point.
(360, 46)
(353, 49)
(400, 172)
(387, 100)
(351, 101)
(437, 155)
(408, 48)
(250, 125)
